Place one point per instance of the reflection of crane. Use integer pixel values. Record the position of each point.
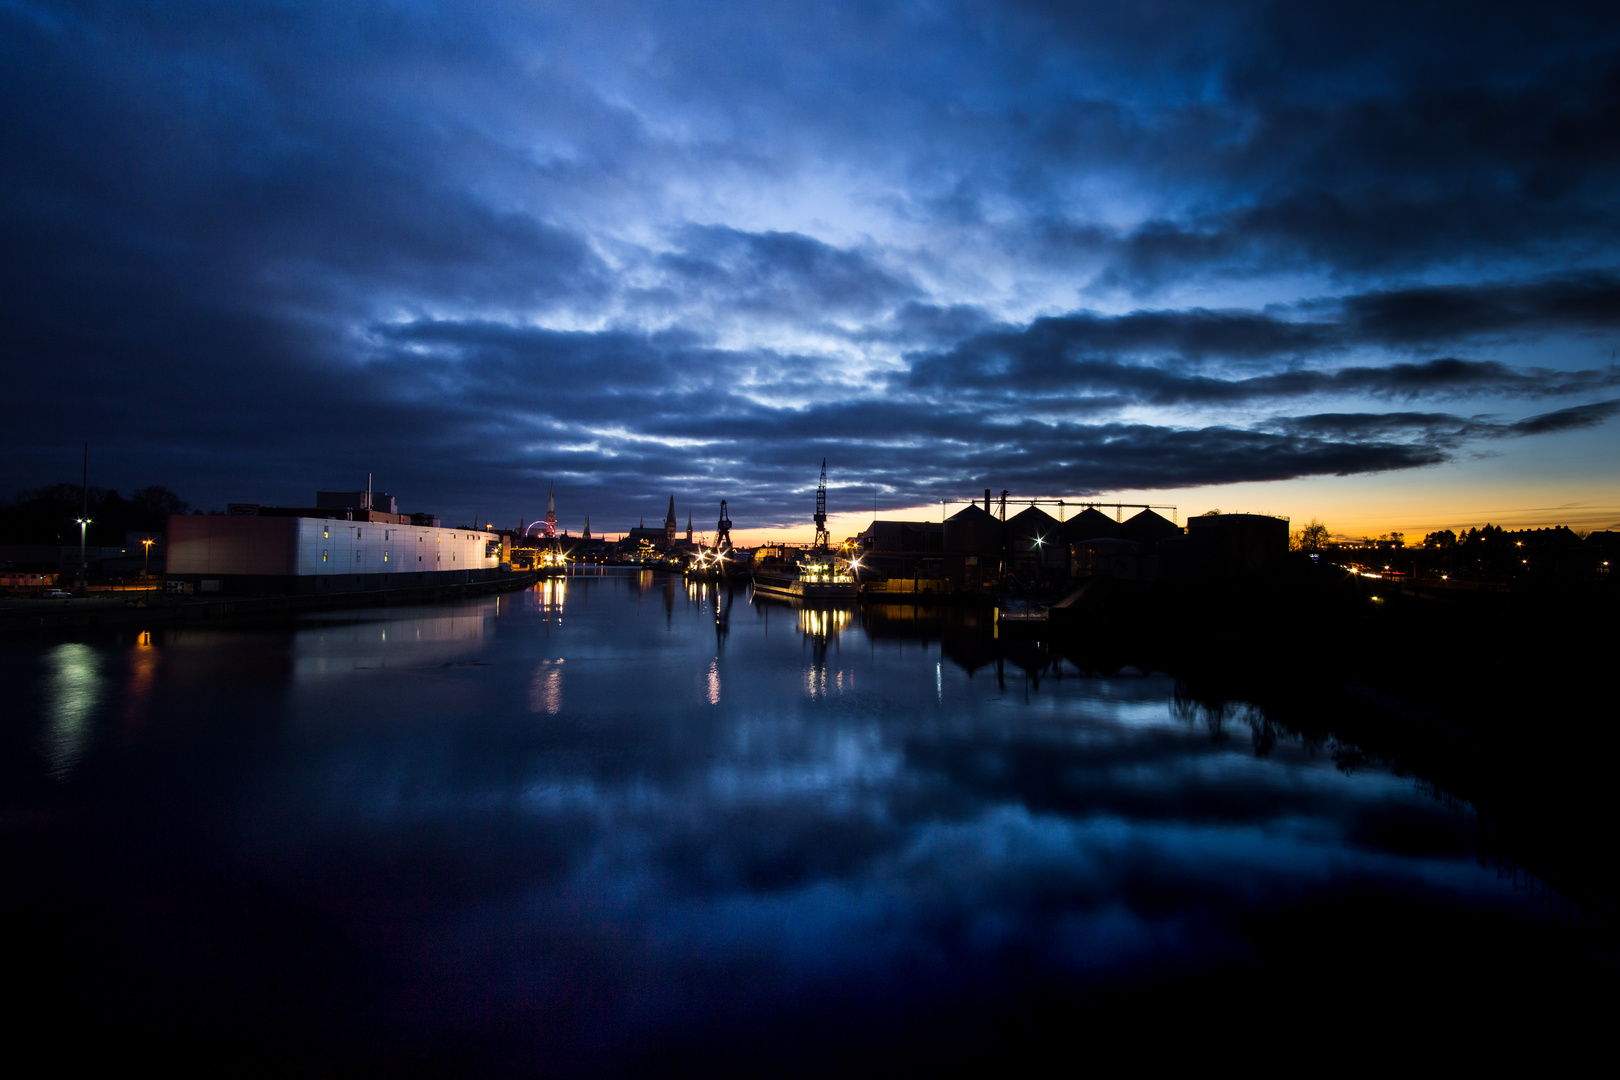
(822, 539)
(722, 536)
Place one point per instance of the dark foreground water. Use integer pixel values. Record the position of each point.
(624, 825)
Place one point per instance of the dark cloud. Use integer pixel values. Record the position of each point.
(1423, 315)
(1158, 357)
(252, 250)
(1360, 143)
(1571, 419)
(776, 273)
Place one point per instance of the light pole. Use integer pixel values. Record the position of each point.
(84, 565)
(148, 566)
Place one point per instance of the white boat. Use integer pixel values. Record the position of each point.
(820, 577)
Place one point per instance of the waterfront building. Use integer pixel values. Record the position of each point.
(901, 549)
(1035, 545)
(1235, 545)
(1147, 527)
(302, 550)
(1090, 524)
(640, 537)
(348, 500)
(972, 547)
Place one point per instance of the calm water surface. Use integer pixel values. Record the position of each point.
(621, 823)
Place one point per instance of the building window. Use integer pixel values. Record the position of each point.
(357, 534)
(357, 556)
(385, 556)
(326, 532)
(324, 554)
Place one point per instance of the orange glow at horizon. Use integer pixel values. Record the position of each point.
(1351, 507)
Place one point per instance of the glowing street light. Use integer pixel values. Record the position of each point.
(147, 543)
(84, 567)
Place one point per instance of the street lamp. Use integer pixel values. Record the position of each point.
(147, 543)
(84, 566)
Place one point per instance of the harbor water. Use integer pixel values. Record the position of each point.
(622, 824)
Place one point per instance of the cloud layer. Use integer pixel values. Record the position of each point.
(254, 250)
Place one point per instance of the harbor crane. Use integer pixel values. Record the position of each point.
(822, 539)
(722, 535)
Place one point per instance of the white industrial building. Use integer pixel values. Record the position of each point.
(298, 551)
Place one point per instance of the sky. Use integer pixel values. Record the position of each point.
(1353, 264)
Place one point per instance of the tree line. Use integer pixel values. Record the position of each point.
(49, 515)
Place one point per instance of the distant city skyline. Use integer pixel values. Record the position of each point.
(1348, 264)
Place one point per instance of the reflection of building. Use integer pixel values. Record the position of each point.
(293, 550)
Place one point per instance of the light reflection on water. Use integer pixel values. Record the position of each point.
(686, 808)
(545, 692)
(75, 691)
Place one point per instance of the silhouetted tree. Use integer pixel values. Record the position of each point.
(150, 507)
(1313, 537)
(49, 515)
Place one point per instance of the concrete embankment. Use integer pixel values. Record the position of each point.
(103, 611)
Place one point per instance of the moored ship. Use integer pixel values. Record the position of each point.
(819, 578)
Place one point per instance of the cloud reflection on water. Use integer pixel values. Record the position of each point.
(693, 836)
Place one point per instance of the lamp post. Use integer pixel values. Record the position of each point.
(84, 566)
(147, 568)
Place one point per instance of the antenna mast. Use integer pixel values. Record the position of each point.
(822, 539)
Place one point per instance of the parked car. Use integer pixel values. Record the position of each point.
(57, 594)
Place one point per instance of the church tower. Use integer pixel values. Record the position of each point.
(587, 526)
(551, 512)
(669, 524)
(689, 526)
